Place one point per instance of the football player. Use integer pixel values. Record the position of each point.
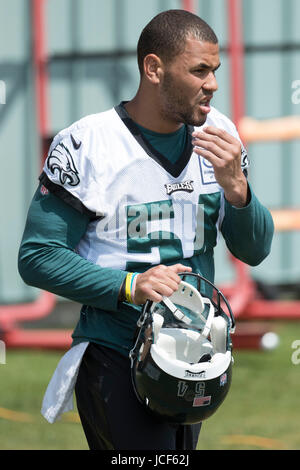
(128, 198)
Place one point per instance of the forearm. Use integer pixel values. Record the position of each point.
(238, 196)
(63, 272)
(47, 257)
(248, 231)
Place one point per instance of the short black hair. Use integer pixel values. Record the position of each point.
(165, 35)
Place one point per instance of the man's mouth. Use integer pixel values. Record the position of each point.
(205, 105)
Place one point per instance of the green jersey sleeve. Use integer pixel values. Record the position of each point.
(248, 231)
(48, 259)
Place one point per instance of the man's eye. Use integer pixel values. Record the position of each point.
(200, 71)
(204, 72)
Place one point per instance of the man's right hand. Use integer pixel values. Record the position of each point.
(157, 282)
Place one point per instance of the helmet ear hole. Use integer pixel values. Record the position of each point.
(205, 358)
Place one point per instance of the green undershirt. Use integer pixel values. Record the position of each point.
(170, 145)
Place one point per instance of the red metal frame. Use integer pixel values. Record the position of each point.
(188, 5)
(12, 315)
(236, 57)
(242, 291)
(40, 61)
(40, 65)
(251, 306)
(18, 338)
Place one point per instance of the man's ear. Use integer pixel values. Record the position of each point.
(153, 68)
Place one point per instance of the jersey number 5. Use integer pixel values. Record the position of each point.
(192, 230)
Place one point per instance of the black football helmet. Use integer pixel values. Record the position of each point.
(181, 362)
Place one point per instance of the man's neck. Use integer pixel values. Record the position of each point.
(145, 112)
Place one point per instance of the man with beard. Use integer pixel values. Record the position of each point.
(129, 198)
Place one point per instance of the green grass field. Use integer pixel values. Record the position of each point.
(261, 411)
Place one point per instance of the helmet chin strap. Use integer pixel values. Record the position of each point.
(188, 296)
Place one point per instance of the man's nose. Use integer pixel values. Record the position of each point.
(211, 83)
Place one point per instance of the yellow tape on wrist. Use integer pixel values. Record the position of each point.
(129, 287)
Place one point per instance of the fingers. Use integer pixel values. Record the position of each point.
(223, 151)
(180, 268)
(221, 135)
(216, 143)
(157, 282)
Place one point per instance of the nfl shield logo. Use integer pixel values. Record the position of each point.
(223, 379)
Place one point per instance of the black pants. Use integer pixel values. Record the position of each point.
(111, 415)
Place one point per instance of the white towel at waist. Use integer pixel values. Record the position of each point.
(58, 398)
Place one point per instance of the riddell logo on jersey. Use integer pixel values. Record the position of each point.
(186, 186)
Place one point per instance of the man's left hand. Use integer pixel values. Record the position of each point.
(223, 151)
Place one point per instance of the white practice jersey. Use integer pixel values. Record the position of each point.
(143, 209)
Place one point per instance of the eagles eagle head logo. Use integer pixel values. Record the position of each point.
(61, 160)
